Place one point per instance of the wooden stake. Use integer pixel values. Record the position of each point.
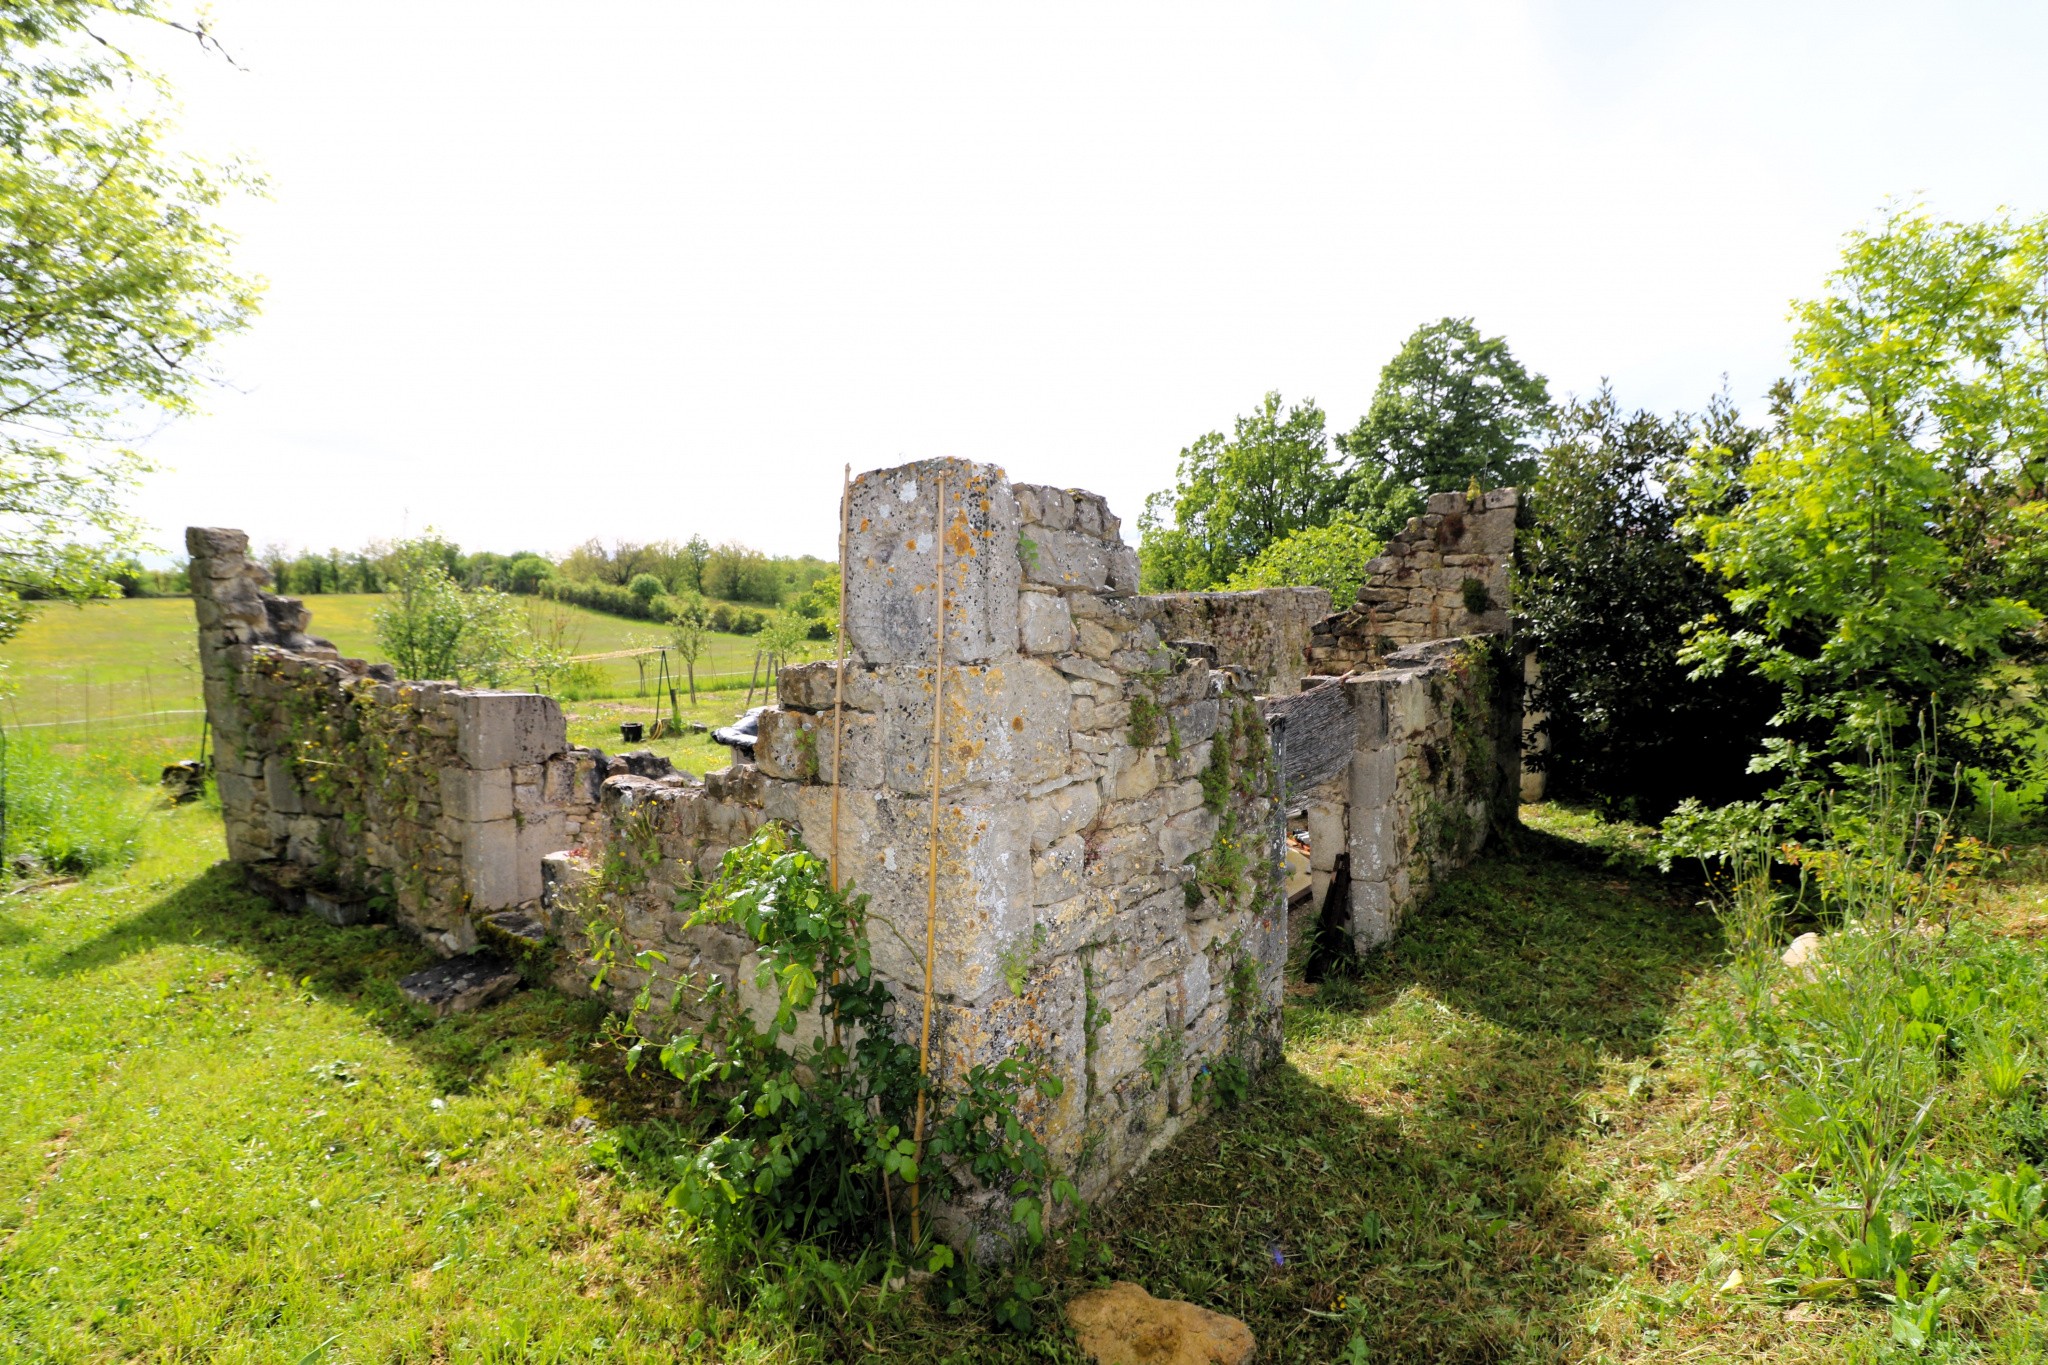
(839, 674)
(931, 903)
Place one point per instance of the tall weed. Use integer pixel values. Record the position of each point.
(1890, 1065)
(77, 809)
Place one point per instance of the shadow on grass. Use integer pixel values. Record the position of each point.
(1398, 1178)
(359, 967)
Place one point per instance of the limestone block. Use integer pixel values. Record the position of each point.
(490, 865)
(238, 795)
(1042, 505)
(788, 745)
(1375, 842)
(891, 562)
(1372, 913)
(1095, 640)
(500, 729)
(533, 841)
(1056, 872)
(984, 880)
(1045, 624)
(1187, 834)
(1123, 570)
(1062, 812)
(1327, 834)
(1081, 666)
(1004, 722)
(813, 686)
(1136, 776)
(280, 788)
(469, 794)
(1068, 559)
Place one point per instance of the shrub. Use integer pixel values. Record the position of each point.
(1607, 589)
(646, 587)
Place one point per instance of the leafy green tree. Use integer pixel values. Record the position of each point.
(114, 283)
(1236, 495)
(1331, 556)
(688, 625)
(526, 573)
(787, 638)
(419, 622)
(1607, 587)
(431, 628)
(1452, 407)
(646, 587)
(1882, 556)
(696, 552)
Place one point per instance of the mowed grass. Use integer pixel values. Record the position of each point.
(1504, 1140)
(120, 663)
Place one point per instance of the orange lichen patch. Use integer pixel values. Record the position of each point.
(910, 544)
(1016, 722)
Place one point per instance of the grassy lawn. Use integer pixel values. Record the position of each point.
(230, 1139)
(130, 659)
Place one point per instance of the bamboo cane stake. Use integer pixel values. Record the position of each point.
(839, 673)
(931, 903)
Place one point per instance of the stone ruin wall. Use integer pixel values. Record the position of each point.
(1425, 585)
(352, 793)
(1111, 787)
(1108, 886)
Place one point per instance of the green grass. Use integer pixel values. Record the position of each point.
(1512, 1137)
(118, 664)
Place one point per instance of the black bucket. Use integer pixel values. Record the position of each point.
(630, 731)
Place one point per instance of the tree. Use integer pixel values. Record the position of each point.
(688, 624)
(690, 565)
(1882, 555)
(1234, 496)
(431, 628)
(646, 587)
(114, 283)
(787, 640)
(419, 622)
(1452, 406)
(1607, 587)
(741, 574)
(1332, 556)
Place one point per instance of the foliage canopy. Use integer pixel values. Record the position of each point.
(114, 283)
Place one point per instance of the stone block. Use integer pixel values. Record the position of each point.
(1056, 872)
(1068, 559)
(280, 788)
(892, 562)
(984, 880)
(461, 984)
(1375, 842)
(1185, 835)
(1045, 624)
(469, 794)
(500, 729)
(1063, 811)
(787, 747)
(533, 841)
(1004, 722)
(814, 686)
(1136, 776)
(490, 864)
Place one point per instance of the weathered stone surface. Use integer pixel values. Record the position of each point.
(499, 729)
(336, 909)
(467, 794)
(1045, 624)
(1124, 1325)
(1265, 632)
(891, 605)
(461, 984)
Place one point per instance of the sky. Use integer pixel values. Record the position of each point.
(645, 270)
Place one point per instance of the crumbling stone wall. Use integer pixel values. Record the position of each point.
(1108, 888)
(1265, 632)
(1112, 774)
(352, 793)
(1445, 574)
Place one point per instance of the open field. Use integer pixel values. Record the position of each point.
(232, 1140)
(122, 663)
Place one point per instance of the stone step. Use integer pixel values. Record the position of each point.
(461, 984)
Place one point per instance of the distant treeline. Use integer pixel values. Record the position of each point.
(627, 578)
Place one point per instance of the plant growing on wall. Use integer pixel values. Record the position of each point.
(810, 1091)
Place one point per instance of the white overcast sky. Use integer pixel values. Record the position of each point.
(543, 272)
